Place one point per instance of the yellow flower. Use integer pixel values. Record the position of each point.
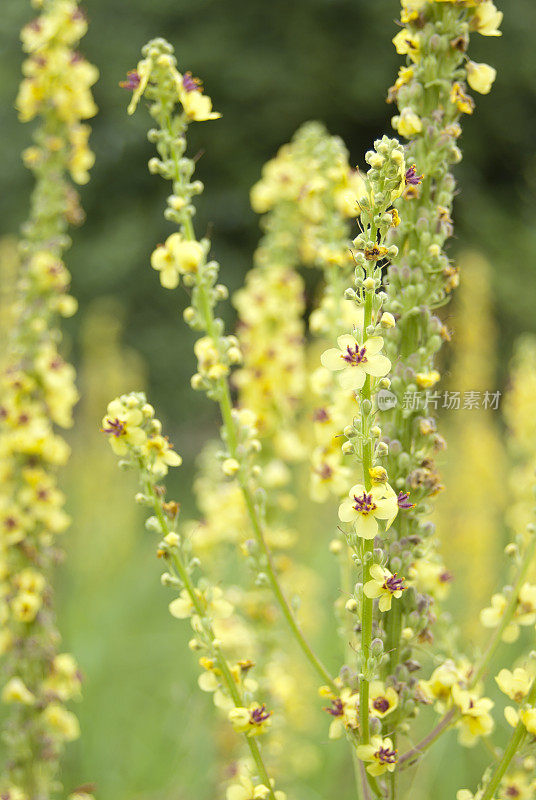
(344, 709)
(64, 680)
(425, 380)
(15, 691)
(25, 606)
(246, 790)
(197, 106)
(363, 509)
(411, 9)
(381, 700)
(328, 475)
(525, 613)
(515, 684)
(123, 426)
(487, 19)
(480, 77)
(62, 722)
(209, 362)
(252, 721)
(138, 80)
(356, 360)
(407, 43)
(431, 577)
(463, 102)
(30, 580)
(528, 718)
(517, 786)
(380, 753)
(408, 123)
(440, 684)
(160, 455)
(214, 604)
(476, 720)
(163, 261)
(188, 254)
(384, 585)
(13, 524)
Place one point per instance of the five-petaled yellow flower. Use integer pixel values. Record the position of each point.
(364, 508)
(355, 361)
(515, 684)
(380, 753)
(385, 585)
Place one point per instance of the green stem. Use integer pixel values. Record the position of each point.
(513, 746)
(443, 725)
(368, 547)
(223, 666)
(507, 615)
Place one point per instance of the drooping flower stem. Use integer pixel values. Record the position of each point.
(181, 572)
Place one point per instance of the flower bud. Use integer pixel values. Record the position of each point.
(351, 605)
(387, 320)
(230, 466)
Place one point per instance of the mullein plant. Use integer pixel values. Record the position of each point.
(37, 394)
(387, 352)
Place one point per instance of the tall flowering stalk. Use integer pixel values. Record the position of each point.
(37, 394)
(431, 93)
(372, 504)
(135, 435)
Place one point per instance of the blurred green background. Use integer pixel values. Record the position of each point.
(268, 66)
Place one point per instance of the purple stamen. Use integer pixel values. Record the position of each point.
(337, 709)
(191, 84)
(403, 500)
(355, 355)
(320, 415)
(364, 504)
(386, 756)
(381, 704)
(394, 583)
(446, 577)
(411, 177)
(259, 715)
(325, 472)
(115, 427)
(132, 82)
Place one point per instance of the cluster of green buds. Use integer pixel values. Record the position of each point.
(38, 393)
(135, 435)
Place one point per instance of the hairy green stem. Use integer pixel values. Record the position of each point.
(513, 746)
(183, 575)
(368, 547)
